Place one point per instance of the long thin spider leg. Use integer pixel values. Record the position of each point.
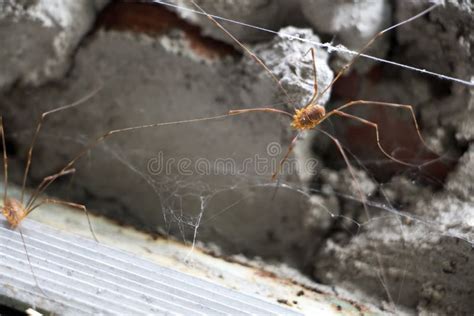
(69, 186)
(246, 49)
(277, 186)
(282, 161)
(395, 105)
(68, 167)
(377, 136)
(48, 180)
(45, 183)
(237, 112)
(38, 128)
(315, 76)
(370, 42)
(70, 204)
(364, 202)
(5, 162)
(29, 262)
(349, 167)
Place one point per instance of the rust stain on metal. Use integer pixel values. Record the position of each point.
(266, 274)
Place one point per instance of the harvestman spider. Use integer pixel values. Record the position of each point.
(15, 210)
(313, 114)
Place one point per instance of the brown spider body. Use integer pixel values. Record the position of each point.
(14, 211)
(308, 117)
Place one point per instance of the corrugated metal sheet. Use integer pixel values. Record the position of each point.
(80, 276)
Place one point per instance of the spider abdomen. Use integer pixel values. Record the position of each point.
(308, 117)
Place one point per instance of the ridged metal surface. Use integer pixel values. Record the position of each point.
(80, 276)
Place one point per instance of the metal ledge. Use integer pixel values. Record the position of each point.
(80, 276)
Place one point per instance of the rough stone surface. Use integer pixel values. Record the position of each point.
(352, 23)
(263, 13)
(447, 35)
(296, 72)
(39, 37)
(432, 239)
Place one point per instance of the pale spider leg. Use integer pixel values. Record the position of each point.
(5, 161)
(68, 189)
(70, 204)
(339, 146)
(45, 183)
(282, 161)
(29, 262)
(364, 203)
(370, 42)
(315, 76)
(350, 168)
(38, 127)
(237, 112)
(377, 136)
(48, 180)
(275, 175)
(246, 49)
(395, 105)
